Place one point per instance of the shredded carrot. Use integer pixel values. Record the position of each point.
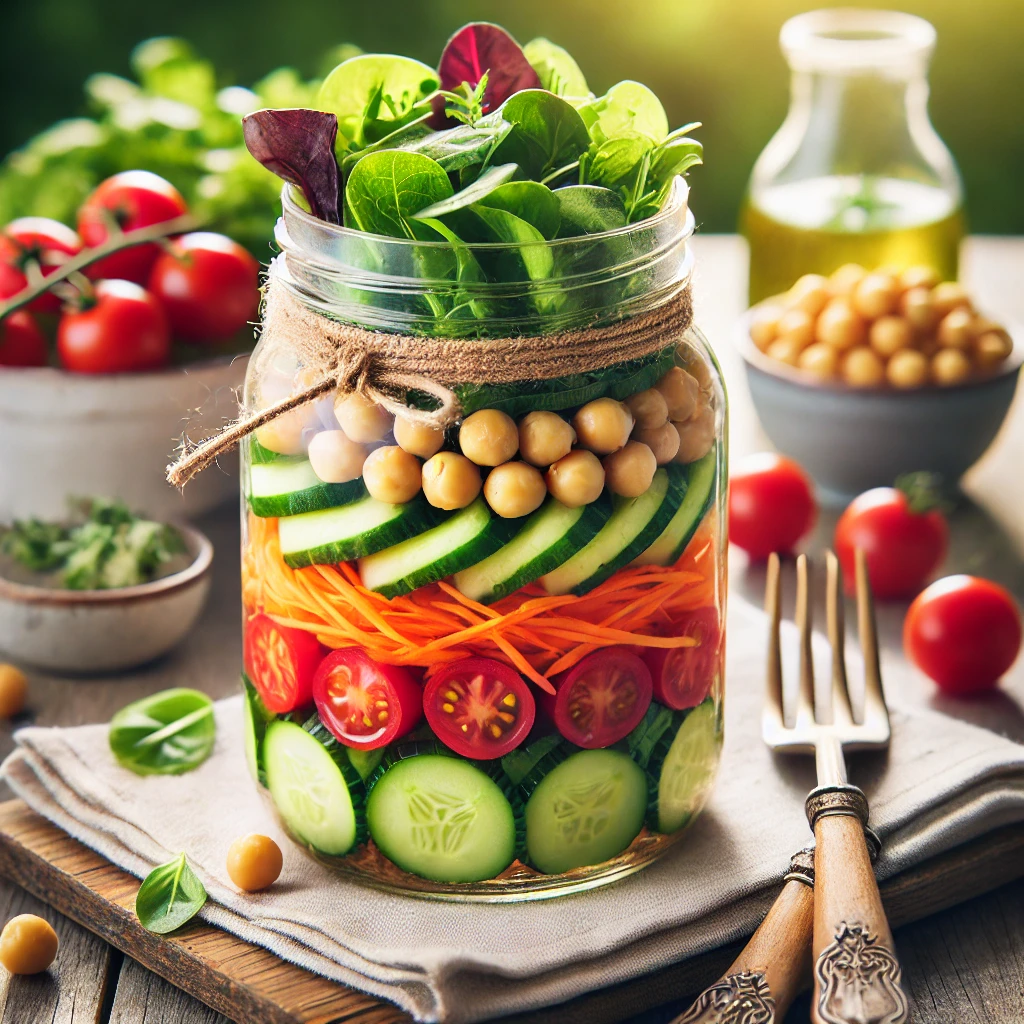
(539, 634)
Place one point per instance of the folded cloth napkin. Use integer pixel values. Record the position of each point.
(941, 783)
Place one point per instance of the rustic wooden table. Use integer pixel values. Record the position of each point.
(964, 965)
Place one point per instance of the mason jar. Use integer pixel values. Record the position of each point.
(484, 660)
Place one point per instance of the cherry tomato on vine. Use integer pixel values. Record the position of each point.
(683, 676)
(131, 199)
(903, 537)
(365, 704)
(281, 663)
(120, 328)
(22, 343)
(208, 284)
(479, 707)
(600, 700)
(963, 632)
(38, 240)
(771, 504)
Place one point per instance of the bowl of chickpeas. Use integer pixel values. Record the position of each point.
(868, 374)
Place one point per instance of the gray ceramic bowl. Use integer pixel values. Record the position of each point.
(851, 439)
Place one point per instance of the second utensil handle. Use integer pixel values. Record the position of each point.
(857, 978)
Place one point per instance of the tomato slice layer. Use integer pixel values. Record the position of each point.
(366, 704)
(281, 662)
(479, 707)
(683, 676)
(600, 700)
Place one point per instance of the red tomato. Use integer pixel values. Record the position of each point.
(120, 329)
(208, 284)
(132, 199)
(771, 505)
(683, 676)
(22, 343)
(601, 700)
(364, 704)
(479, 707)
(38, 240)
(902, 547)
(964, 632)
(281, 662)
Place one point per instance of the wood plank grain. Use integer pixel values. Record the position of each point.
(144, 998)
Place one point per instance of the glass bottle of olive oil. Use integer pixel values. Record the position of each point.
(856, 173)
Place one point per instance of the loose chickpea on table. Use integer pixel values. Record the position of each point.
(880, 328)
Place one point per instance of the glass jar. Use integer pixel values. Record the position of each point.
(462, 704)
(856, 173)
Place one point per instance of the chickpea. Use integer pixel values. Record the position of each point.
(13, 688)
(876, 295)
(764, 325)
(862, 368)
(663, 441)
(990, 349)
(697, 367)
(418, 438)
(28, 944)
(649, 408)
(908, 368)
(888, 334)
(391, 474)
(840, 326)
(845, 279)
(950, 295)
(917, 306)
(254, 862)
(696, 437)
(603, 425)
(918, 277)
(630, 470)
(810, 293)
(515, 489)
(821, 360)
(785, 350)
(577, 479)
(489, 437)
(950, 366)
(982, 325)
(544, 437)
(362, 419)
(335, 457)
(450, 480)
(955, 329)
(680, 390)
(283, 434)
(797, 326)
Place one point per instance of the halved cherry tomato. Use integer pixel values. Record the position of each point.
(600, 700)
(38, 240)
(479, 707)
(683, 676)
(22, 343)
(364, 704)
(281, 662)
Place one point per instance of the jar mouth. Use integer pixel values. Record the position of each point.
(853, 39)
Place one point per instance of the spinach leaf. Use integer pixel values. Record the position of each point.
(535, 261)
(557, 70)
(169, 897)
(411, 132)
(628, 107)
(386, 189)
(165, 734)
(460, 305)
(477, 190)
(464, 146)
(673, 158)
(588, 210)
(530, 201)
(547, 133)
(617, 163)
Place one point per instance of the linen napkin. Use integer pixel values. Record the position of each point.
(941, 783)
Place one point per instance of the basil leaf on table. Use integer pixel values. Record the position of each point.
(386, 189)
(170, 897)
(166, 734)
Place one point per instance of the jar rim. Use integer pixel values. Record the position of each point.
(855, 39)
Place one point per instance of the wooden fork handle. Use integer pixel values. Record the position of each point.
(857, 978)
(774, 964)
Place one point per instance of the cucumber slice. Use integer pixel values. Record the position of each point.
(700, 493)
(588, 809)
(351, 531)
(255, 719)
(318, 794)
(633, 526)
(442, 818)
(549, 537)
(470, 535)
(686, 771)
(287, 486)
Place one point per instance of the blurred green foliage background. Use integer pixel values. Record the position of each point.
(711, 60)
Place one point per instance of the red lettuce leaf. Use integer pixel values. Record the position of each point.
(298, 145)
(478, 48)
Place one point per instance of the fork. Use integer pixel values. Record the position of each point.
(857, 978)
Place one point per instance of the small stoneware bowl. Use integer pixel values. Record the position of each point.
(89, 631)
(851, 439)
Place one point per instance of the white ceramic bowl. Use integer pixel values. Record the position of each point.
(87, 631)
(75, 435)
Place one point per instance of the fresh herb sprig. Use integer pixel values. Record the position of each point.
(167, 733)
(169, 897)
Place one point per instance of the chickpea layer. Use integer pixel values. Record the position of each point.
(335, 457)
(696, 436)
(663, 441)
(392, 475)
(417, 438)
(544, 437)
(254, 862)
(489, 437)
(681, 390)
(515, 489)
(649, 408)
(450, 481)
(603, 425)
(362, 419)
(630, 470)
(28, 944)
(577, 479)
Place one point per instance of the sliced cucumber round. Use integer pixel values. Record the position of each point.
(586, 810)
(319, 796)
(442, 818)
(685, 771)
(287, 486)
